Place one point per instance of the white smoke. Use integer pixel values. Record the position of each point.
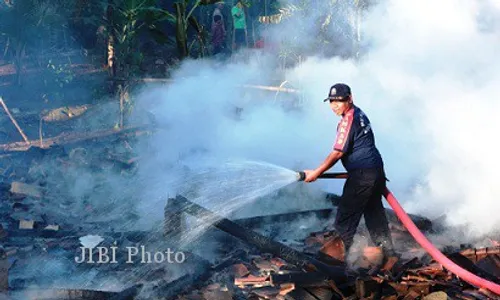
(428, 81)
(437, 66)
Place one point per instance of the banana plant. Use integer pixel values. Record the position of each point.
(127, 20)
(185, 18)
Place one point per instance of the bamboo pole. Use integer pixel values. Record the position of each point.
(77, 137)
(40, 132)
(250, 86)
(25, 138)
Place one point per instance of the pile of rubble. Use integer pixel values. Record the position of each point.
(268, 277)
(320, 271)
(42, 221)
(249, 266)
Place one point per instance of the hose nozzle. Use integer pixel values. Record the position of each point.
(301, 176)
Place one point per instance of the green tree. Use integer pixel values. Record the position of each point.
(32, 26)
(184, 19)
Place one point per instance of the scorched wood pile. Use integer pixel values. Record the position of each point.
(271, 270)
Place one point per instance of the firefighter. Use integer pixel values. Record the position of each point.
(362, 192)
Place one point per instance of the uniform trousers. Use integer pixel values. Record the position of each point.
(362, 196)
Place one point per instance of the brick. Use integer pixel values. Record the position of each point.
(255, 281)
(265, 265)
(20, 189)
(334, 247)
(286, 288)
(436, 296)
(278, 262)
(239, 270)
(52, 227)
(26, 224)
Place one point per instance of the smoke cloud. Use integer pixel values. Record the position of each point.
(427, 78)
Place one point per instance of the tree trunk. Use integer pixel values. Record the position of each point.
(111, 63)
(199, 31)
(124, 97)
(6, 50)
(20, 51)
(180, 31)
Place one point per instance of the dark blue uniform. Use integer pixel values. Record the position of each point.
(362, 193)
(355, 139)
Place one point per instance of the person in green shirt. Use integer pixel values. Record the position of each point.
(239, 25)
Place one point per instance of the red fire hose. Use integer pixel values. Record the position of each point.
(434, 252)
(424, 242)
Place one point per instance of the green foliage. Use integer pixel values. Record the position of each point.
(33, 26)
(62, 73)
(130, 20)
(247, 3)
(30, 20)
(184, 18)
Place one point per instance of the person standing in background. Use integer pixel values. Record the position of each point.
(239, 25)
(218, 35)
(219, 6)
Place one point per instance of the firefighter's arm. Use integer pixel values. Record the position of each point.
(331, 159)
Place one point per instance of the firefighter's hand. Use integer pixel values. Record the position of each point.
(311, 175)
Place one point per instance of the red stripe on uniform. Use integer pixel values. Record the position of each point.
(343, 130)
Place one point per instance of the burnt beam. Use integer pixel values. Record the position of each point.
(300, 279)
(263, 243)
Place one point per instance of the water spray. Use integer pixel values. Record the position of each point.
(421, 239)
